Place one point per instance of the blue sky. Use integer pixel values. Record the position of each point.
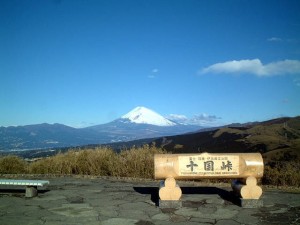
(89, 62)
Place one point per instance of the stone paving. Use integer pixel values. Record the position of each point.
(108, 201)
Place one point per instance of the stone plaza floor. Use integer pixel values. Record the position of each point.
(111, 201)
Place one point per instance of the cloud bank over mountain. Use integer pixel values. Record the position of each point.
(199, 120)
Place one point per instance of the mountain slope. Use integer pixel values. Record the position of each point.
(275, 139)
(42, 136)
(124, 130)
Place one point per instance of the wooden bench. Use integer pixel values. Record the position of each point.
(243, 168)
(31, 185)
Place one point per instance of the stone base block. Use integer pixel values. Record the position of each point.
(251, 203)
(170, 204)
(31, 192)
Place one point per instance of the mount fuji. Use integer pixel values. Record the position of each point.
(139, 123)
(143, 115)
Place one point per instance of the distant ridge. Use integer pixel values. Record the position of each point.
(277, 139)
(139, 123)
(281, 135)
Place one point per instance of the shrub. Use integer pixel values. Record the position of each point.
(137, 162)
(12, 165)
(83, 162)
(282, 173)
(95, 162)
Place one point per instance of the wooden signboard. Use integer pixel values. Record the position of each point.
(206, 165)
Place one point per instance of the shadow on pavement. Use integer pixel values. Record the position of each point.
(18, 192)
(228, 196)
(153, 191)
(224, 194)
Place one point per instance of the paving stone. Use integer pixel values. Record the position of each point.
(134, 205)
(20, 220)
(119, 221)
(207, 210)
(246, 217)
(193, 204)
(188, 212)
(215, 200)
(224, 213)
(282, 210)
(251, 203)
(220, 213)
(163, 204)
(133, 214)
(30, 211)
(108, 211)
(179, 223)
(161, 216)
(78, 201)
(53, 197)
(203, 220)
(177, 218)
(227, 222)
(75, 210)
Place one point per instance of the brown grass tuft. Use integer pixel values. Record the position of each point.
(135, 162)
(282, 173)
(12, 165)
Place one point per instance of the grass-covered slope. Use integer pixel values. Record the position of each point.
(275, 139)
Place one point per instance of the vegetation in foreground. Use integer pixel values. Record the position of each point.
(136, 162)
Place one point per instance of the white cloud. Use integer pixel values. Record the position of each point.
(178, 118)
(297, 82)
(200, 120)
(255, 67)
(274, 39)
(153, 73)
(205, 117)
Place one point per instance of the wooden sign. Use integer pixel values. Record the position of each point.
(206, 165)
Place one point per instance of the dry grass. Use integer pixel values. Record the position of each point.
(282, 173)
(12, 165)
(135, 162)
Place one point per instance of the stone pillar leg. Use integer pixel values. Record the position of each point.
(31, 191)
(249, 191)
(169, 194)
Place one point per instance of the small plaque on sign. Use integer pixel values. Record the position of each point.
(209, 165)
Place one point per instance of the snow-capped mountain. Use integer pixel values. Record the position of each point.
(139, 123)
(144, 115)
